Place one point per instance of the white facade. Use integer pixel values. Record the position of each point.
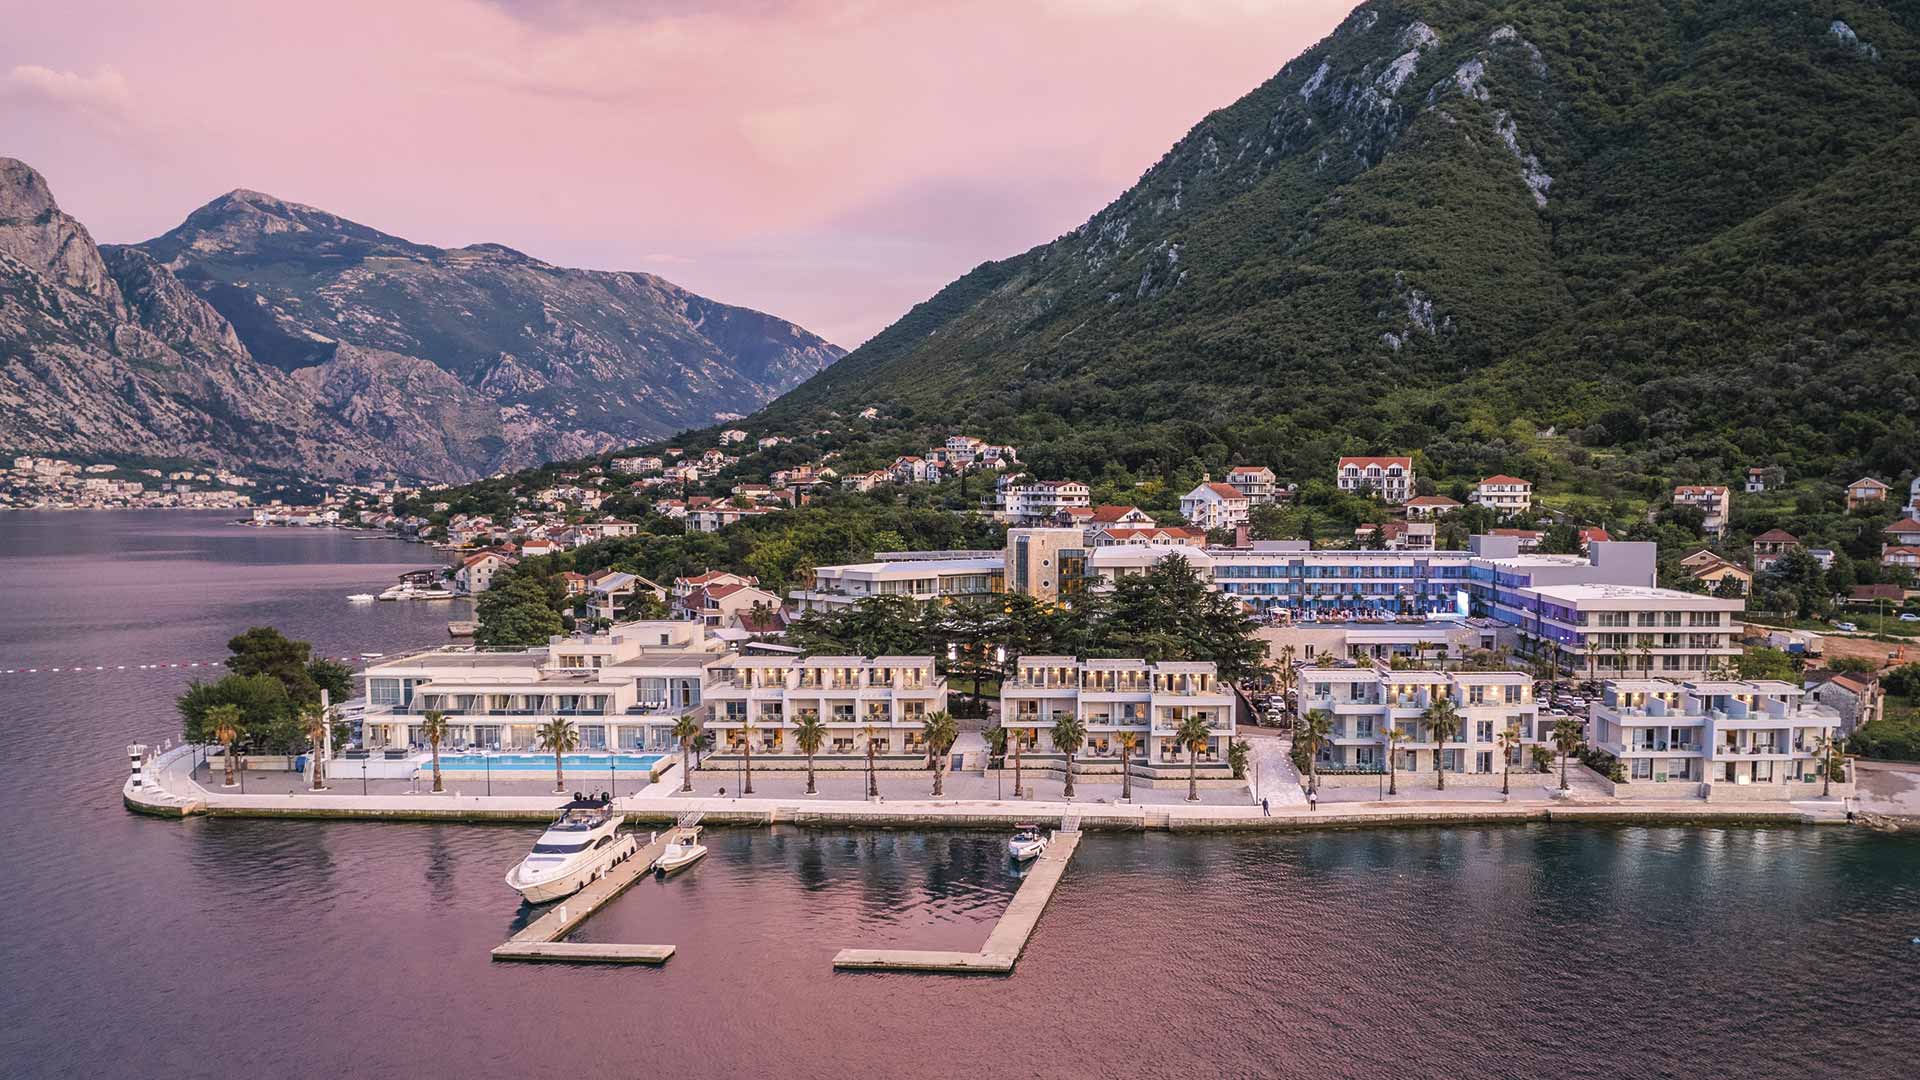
(1364, 703)
(1215, 506)
(1632, 630)
(1151, 700)
(1760, 736)
(622, 689)
(1020, 501)
(1257, 483)
(1504, 494)
(1714, 502)
(1389, 477)
(883, 701)
(922, 579)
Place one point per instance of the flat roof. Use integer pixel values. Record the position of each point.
(1574, 594)
(919, 567)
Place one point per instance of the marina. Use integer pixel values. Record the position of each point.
(541, 939)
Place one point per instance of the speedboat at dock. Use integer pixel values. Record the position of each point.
(1026, 843)
(682, 853)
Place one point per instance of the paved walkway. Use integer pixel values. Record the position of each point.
(898, 786)
(1272, 763)
(175, 793)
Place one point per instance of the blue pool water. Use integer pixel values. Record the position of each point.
(544, 762)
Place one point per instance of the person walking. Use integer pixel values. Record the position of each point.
(1266, 808)
(1313, 799)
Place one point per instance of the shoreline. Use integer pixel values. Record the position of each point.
(169, 791)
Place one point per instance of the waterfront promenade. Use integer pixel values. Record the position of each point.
(171, 790)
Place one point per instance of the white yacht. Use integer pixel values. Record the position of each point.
(407, 590)
(578, 848)
(681, 853)
(360, 598)
(1026, 843)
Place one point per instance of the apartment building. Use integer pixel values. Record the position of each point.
(1363, 703)
(622, 689)
(1214, 505)
(1714, 501)
(1622, 631)
(1256, 482)
(1752, 739)
(1151, 700)
(1391, 478)
(1504, 494)
(1021, 500)
(880, 702)
(920, 576)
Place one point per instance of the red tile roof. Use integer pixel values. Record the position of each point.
(1505, 479)
(1776, 536)
(1383, 462)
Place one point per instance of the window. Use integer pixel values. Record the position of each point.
(1643, 768)
(383, 691)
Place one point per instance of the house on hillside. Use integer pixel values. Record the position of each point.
(1908, 557)
(1151, 535)
(1391, 478)
(1504, 494)
(1710, 570)
(1714, 502)
(1256, 482)
(732, 436)
(1592, 534)
(1856, 696)
(1213, 505)
(1866, 491)
(1769, 546)
(1869, 595)
(1427, 507)
(1397, 536)
(1904, 533)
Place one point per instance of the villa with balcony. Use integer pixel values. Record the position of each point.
(622, 690)
(1750, 739)
(882, 702)
(1150, 700)
(1363, 704)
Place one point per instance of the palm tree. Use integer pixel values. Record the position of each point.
(1566, 739)
(810, 734)
(1069, 735)
(1313, 734)
(1507, 740)
(1285, 676)
(1192, 737)
(1018, 790)
(746, 751)
(1591, 647)
(560, 736)
(873, 782)
(1824, 745)
(433, 728)
(1129, 741)
(1393, 737)
(940, 732)
(224, 721)
(687, 730)
(1443, 723)
(314, 721)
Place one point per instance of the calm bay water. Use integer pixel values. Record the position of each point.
(246, 949)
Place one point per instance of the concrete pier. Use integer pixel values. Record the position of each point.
(1004, 944)
(541, 938)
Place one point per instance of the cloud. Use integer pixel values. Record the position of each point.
(104, 93)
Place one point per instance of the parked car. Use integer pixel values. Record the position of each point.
(1908, 616)
(1847, 626)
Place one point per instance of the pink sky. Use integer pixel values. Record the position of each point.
(830, 162)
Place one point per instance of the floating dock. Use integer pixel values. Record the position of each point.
(541, 938)
(1009, 935)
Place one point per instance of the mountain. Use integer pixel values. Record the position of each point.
(268, 333)
(1628, 243)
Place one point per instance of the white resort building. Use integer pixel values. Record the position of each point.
(1151, 700)
(622, 690)
(1754, 739)
(880, 702)
(1365, 702)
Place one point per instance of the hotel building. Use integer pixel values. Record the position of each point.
(921, 576)
(1757, 738)
(883, 701)
(622, 689)
(1364, 703)
(1151, 700)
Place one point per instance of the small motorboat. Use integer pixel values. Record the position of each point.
(1026, 843)
(360, 598)
(681, 853)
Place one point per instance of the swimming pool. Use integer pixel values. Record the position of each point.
(586, 764)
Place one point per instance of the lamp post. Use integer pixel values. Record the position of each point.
(488, 758)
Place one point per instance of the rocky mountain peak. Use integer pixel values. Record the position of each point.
(34, 231)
